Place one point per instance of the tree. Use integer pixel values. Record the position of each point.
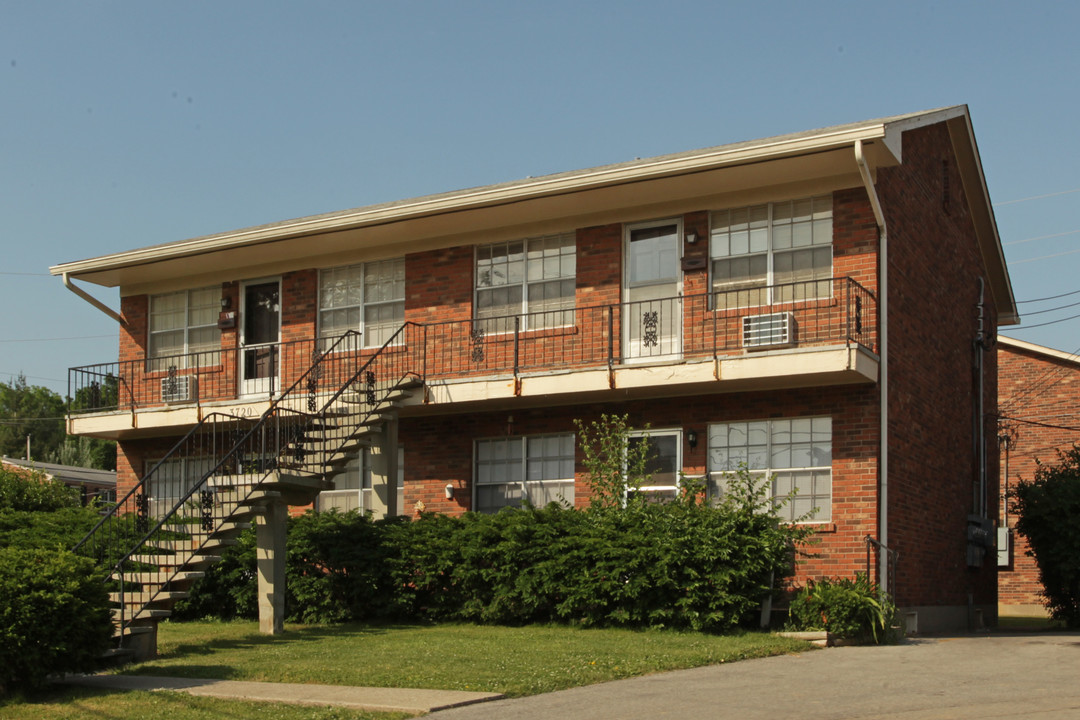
(30, 410)
(85, 452)
(1049, 510)
(615, 467)
(39, 412)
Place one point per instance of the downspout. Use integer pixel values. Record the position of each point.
(92, 300)
(883, 368)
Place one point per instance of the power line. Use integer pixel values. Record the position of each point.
(55, 339)
(29, 377)
(1052, 322)
(1045, 257)
(1039, 424)
(1053, 309)
(1027, 391)
(1041, 237)
(1052, 297)
(1037, 197)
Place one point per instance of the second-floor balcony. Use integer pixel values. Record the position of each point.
(808, 333)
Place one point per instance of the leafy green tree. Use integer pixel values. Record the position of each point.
(30, 410)
(1049, 510)
(85, 452)
(615, 467)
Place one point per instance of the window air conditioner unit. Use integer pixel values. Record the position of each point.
(765, 331)
(177, 389)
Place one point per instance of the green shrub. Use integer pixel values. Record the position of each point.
(852, 609)
(681, 565)
(54, 616)
(56, 530)
(336, 568)
(229, 590)
(33, 492)
(1049, 516)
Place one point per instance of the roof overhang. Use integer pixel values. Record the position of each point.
(1050, 353)
(742, 172)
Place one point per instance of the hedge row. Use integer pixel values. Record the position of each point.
(680, 565)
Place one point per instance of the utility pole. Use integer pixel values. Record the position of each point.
(28, 447)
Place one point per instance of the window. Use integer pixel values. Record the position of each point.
(777, 252)
(510, 471)
(662, 463)
(796, 453)
(173, 480)
(368, 298)
(353, 486)
(533, 277)
(182, 324)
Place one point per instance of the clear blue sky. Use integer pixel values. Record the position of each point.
(125, 124)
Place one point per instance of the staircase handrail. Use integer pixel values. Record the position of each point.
(276, 410)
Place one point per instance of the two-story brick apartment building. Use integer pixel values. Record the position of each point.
(815, 306)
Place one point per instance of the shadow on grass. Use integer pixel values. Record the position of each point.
(250, 641)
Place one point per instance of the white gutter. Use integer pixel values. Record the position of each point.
(92, 300)
(883, 383)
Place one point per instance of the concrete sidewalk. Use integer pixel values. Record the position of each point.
(358, 698)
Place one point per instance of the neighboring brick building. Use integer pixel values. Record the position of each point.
(1039, 403)
(728, 298)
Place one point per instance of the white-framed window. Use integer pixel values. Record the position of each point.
(533, 278)
(796, 453)
(770, 253)
(182, 324)
(352, 487)
(366, 297)
(663, 462)
(538, 469)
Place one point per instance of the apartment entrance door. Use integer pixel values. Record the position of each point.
(652, 314)
(260, 333)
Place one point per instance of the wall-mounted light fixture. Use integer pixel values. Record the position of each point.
(691, 238)
(226, 302)
(449, 489)
(691, 439)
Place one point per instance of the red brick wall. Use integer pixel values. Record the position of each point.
(439, 450)
(439, 285)
(934, 265)
(1033, 387)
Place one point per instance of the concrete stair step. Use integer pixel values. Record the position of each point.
(142, 615)
(144, 598)
(174, 561)
(190, 545)
(161, 577)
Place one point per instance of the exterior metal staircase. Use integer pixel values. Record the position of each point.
(211, 485)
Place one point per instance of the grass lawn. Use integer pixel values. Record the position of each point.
(513, 661)
(1020, 622)
(73, 703)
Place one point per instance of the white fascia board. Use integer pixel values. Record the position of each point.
(895, 129)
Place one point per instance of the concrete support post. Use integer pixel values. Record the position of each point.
(384, 471)
(270, 562)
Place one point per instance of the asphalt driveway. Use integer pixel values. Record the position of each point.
(1006, 675)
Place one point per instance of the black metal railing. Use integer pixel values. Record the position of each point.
(799, 314)
(218, 470)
